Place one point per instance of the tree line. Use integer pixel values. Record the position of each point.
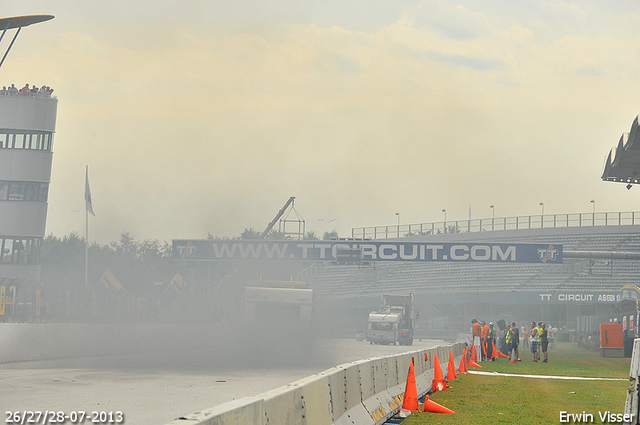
(136, 264)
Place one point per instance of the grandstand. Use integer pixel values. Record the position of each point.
(623, 163)
(520, 291)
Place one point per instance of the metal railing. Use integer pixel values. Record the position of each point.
(502, 223)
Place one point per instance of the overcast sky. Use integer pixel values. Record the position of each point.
(205, 117)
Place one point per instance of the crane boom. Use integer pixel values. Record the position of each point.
(277, 217)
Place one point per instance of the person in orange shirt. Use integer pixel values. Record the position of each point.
(484, 338)
(476, 330)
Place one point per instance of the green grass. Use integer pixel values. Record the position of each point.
(479, 399)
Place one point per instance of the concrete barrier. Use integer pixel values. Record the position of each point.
(344, 389)
(248, 410)
(366, 392)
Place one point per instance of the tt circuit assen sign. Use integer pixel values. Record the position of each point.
(212, 250)
(626, 293)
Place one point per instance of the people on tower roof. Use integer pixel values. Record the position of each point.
(33, 91)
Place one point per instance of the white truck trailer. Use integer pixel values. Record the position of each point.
(278, 314)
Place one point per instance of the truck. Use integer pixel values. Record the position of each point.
(394, 322)
(277, 304)
(278, 314)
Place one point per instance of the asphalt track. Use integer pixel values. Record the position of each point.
(158, 387)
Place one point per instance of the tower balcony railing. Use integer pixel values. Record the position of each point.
(497, 224)
(26, 94)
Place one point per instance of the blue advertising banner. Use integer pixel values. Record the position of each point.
(366, 251)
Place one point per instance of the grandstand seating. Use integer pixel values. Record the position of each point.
(580, 274)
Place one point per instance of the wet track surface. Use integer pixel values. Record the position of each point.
(161, 386)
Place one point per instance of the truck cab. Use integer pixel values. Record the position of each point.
(384, 328)
(394, 322)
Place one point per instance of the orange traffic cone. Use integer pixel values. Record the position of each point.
(463, 366)
(495, 352)
(501, 354)
(410, 401)
(474, 354)
(437, 370)
(438, 383)
(451, 368)
(432, 406)
(514, 357)
(473, 361)
(426, 359)
(473, 364)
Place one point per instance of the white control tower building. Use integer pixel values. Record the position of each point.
(27, 126)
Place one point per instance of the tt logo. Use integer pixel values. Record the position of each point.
(548, 254)
(187, 250)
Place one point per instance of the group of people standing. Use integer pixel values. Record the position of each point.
(539, 341)
(44, 91)
(486, 339)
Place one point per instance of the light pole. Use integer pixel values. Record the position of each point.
(593, 212)
(493, 216)
(444, 210)
(398, 215)
(541, 214)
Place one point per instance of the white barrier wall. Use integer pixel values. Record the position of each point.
(366, 392)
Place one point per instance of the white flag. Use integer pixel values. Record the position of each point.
(87, 194)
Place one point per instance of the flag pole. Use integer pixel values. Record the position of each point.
(86, 250)
(86, 237)
(88, 207)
